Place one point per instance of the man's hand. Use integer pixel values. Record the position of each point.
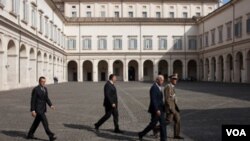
(113, 105)
(158, 113)
(53, 107)
(33, 113)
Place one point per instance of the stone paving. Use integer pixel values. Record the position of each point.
(204, 108)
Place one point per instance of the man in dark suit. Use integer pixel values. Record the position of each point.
(39, 99)
(110, 103)
(156, 108)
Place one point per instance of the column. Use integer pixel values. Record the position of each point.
(140, 65)
(80, 70)
(218, 69)
(95, 70)
(125, 71)
(155, 69)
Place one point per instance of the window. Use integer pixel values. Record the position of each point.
(71, 43)
(248, 24)
(213, 37)
(55, 33)
(117, 14)
(117, 43)
(144, 14)
(88, 14)
(15, 6)
(238, 28)
(86, 43)
(171, 14)
(192, 43)
(103, 14)
(144, 6)
(51, 30)
(74, 14)
(201, 41)
(148, 43)
(131, 14)
(158, 14)
(178, 43)
(41, 23)
(102, 43)
(46, 27)
(206, 39)
(33, 14)
(25, 11)
(58, 37)
(88, 6)
(185, 14)
(163, 42)
(220, 33)
(132, 43)
(198, 14)
(73, 6)
(229, 30)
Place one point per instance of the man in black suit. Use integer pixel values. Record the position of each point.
(110, 104)
(156, 108)
(39, 99)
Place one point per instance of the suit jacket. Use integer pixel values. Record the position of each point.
(39, 99)
(170, 102)
(110, 95)
(156, 100)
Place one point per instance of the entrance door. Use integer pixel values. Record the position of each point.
(89, 76)
(131, 74)
(103, 76)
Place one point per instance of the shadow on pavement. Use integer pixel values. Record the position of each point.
(18, 134)
(127, 136)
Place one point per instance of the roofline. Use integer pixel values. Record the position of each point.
(217, 11)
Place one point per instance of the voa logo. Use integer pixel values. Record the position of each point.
(236, 132)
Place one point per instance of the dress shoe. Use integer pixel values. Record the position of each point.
(118, 131)
(96, 127)
(52, 138)
(140, 136)
(178, 137)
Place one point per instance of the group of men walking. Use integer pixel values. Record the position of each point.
(163, 108)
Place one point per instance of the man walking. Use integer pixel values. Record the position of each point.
(39, 99)
(110, 104)
(156, 108)
(172, 109)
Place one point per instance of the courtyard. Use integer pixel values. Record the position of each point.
(204, 108)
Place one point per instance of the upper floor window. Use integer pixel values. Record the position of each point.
(220, 33)
(201, 41)
(33, 16)
(144, 14)
(132, 42)
(158, 14)
(206, 39)
(248, 24)
(41, 23)
(117, 14)
(117, 43)
(198, 14)
(131, 14)
(74, 14)
(51, 30)
(229, 30)
(103, 14)
(86, 43)
(25, 11)
(148, 43)
(88, 6)
(171, 14)
(192, 43)
(46, 27)
(185, 14)
(102, 43)
(177, 42)
(213, 37)
(163, 42)
(71, 43)
(88, 14)
(73, 7)
(15, 6)
(238, 28)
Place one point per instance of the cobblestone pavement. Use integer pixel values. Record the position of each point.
(204, 108)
